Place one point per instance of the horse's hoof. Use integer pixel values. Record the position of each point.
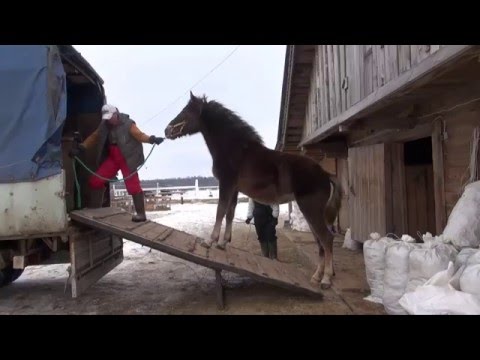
(325, 286)
(205, 244)
(221, 246)
(315, 280)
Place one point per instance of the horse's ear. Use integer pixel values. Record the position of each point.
(192, 97)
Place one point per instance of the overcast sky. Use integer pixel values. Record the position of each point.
(142, 80)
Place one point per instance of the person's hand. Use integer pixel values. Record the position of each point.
(248, 221)
(156, 140)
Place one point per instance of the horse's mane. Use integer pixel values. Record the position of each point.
(219, 119)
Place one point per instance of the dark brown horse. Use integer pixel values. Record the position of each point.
(242, 163)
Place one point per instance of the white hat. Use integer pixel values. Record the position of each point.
(108, 111)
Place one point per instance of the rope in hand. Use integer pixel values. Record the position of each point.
(77, 184)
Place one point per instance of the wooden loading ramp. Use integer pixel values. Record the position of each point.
(186, 246)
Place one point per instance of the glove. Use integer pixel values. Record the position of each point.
(76, 150)
(156, 140)
(248, 221)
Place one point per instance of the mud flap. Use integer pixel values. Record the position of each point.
(93, 254)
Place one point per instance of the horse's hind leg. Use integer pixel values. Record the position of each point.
(227, 237)
(313, 209)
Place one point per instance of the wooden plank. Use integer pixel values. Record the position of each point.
(434, 48)
(381, 75)
(417, 75)
(391, 62)
(358, 69)
(403, 58)
(183, 245)
(368, 71)
(321, 87)
(220, 290)
(326, 84)
(316, 90)
(374, 68)
(399, 190)
(438, 176)
(81, 258)
(349, 65)
(414, 55)
(423, 52)
(331, 82)
(431, 201)
(343, 77)
(337, 79)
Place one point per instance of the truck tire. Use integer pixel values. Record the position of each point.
(9, 275)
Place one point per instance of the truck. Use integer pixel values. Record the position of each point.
(49, 95)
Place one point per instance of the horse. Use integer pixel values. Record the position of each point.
(242, 163)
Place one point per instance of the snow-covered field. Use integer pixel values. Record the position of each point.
(199, 218)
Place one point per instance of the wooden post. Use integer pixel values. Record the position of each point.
(220, 290)
(438, 177)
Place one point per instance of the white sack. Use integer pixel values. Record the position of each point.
(439, 300)
(439, 297)
(463, 226)
(470, 280)
(374, 255)
(463, 256)
(474, 259)
(396, 276)
(297, 220)
(427, 261)
(349, 243)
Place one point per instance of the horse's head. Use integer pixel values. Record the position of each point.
(187, 122)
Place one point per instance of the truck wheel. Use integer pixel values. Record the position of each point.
(9, 275)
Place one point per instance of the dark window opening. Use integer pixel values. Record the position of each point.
(418, 152)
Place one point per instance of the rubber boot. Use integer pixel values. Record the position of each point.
(264, 246)
(95, 199)
(139, 204)
(272, 250)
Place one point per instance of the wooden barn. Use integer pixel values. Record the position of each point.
(398, 124)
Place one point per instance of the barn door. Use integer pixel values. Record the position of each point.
(370, 192)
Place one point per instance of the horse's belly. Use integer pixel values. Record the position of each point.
(265, 194)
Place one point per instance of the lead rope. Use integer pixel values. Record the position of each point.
(77, 184)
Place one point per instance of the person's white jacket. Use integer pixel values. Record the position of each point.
(251, 205)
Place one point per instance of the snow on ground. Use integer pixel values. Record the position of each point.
(199, 218)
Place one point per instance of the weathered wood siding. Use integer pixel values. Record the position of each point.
(342, 175)
(459, 127)
(420, 199)
(343, 75)
(370, 191)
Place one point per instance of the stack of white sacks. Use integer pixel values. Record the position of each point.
(297, 221)
(440, 275)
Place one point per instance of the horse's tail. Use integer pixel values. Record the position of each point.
(334, 202)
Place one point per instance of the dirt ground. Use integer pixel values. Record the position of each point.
(150, 282)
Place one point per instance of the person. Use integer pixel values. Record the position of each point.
(125, 152)
(266, 220)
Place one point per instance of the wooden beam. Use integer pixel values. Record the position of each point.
(375, 137)
(424, 71)
(392, 123)
(439, 177)
(220, 290)
(337, 149)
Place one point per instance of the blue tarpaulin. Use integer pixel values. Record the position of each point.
(33, 106)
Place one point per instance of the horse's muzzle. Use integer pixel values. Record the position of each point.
(169, 132)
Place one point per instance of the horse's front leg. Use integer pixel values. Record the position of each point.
(227, 237)
(223, 202)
